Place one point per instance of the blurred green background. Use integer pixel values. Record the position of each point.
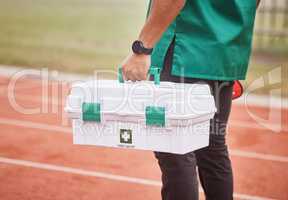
(70, 35)
(83, 35)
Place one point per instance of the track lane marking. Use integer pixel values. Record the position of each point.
(260, 156)
(56, 129)
(35, 125)
(97, 174)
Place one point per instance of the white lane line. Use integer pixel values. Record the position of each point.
(127, 179)
(56, 129)
(35, 125)
(249, 197)
(9, 71)
(262, 101)
(79, 171)
(260, 156)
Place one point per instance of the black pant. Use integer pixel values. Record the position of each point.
(179, 175)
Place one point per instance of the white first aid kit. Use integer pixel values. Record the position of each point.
(158, 116)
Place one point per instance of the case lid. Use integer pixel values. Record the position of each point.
(171, 103)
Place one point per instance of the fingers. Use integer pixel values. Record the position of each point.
(135, 67)
(134, 74)
(128, 75)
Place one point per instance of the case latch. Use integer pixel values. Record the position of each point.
(91, 112)
(155, 116)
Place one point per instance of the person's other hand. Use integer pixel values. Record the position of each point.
(135, 67)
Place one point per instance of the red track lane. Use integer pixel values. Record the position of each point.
(259, 141)
(48, 117)
(245, 113)
(37, 146)
(252, 176)
(29, 183)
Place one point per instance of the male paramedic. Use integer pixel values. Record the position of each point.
(197, 41)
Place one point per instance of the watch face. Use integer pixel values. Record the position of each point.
(137, 47)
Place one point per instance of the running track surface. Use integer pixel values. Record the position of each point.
(38, 160)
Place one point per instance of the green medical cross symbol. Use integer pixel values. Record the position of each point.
(126, 136)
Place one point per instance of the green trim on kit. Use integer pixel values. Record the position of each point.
(155, 116)
(91, 112)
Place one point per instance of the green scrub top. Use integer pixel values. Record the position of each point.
(212, 39)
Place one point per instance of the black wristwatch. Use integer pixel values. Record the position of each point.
(138, 48)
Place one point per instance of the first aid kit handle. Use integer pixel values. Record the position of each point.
(154, 71)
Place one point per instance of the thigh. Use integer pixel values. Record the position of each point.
(222, 92)
(178, 170)
(169, 161)
(213, 162)
(179, 177)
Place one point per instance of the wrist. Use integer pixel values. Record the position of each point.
(147, 43)
(140, 55)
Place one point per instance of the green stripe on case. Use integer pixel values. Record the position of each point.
(155, 116)
(91, 112)
(120, 75)
(155, 72)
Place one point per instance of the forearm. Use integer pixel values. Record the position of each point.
(258, 3)
(162, 13)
